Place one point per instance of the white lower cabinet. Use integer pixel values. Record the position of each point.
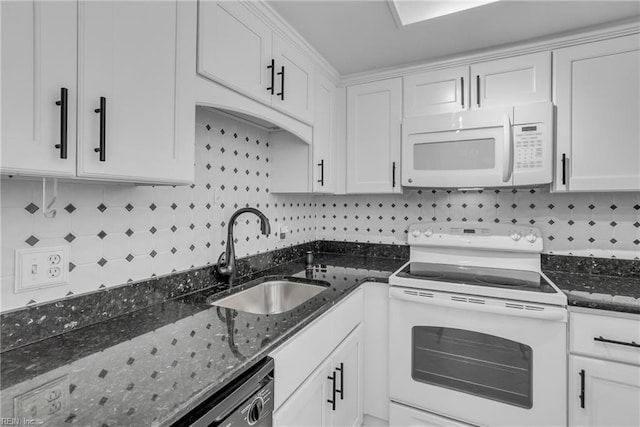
(307, 406)
(603, 393)
(332, 395)
(318, 373)
(604, 369)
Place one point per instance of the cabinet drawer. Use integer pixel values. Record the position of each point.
(589, 330)
(302, 354)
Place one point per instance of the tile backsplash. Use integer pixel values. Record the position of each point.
(121, 233)
(589, 224)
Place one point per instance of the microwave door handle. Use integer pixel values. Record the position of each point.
(507, 152)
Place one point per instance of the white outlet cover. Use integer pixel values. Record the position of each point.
(45, 402)
(32, 268)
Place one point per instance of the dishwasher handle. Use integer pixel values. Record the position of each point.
(481, 304)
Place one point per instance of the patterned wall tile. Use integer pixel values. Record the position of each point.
(598, 224)
(121, 233)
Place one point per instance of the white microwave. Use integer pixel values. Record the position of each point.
(498, 147)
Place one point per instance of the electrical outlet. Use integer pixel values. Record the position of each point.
(54, 259)
(41, 267)
(282, 231)
(53, 272)
(44, 403)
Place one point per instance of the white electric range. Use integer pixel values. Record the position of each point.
(477, 331)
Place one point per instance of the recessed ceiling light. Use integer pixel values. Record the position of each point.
(407, 12)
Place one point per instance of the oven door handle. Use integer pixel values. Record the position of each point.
(414, 295)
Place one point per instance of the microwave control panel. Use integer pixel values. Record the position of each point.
(528, 142)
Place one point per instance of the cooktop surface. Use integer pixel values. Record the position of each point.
(521, 280)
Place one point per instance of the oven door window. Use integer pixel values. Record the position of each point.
(472, 362)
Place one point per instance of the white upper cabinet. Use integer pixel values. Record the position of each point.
(374, 113)
(323, 135)
(435, 92)
(139, 72)
(598, 137)
(293, 80)
(39, 60)
(241, 51)
(503, 82)
(517, 80)
(234, 48)
(137, 77)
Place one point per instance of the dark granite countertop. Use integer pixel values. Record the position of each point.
(151, 366)
(614, 293)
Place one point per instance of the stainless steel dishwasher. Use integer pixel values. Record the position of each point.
(246, 401)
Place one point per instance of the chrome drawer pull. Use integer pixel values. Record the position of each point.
(630, 344)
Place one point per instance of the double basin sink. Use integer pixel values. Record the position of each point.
(272, 295)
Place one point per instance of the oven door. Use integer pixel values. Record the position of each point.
(477, 360)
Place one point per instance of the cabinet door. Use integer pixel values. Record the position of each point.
(611, 393)
(323, 135)
(346, 363)
(374, 112)
(308, 406)
(435, 92)
(38, 60)
(234, 48)
(517, 80)
(142, 71)
(293, 80)
(596, 94)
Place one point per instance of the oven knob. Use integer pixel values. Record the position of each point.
(516, 236)
(531, 237)
(415, 233)
(255, 411)
(428, 232)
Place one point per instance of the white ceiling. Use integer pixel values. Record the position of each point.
(359, 36)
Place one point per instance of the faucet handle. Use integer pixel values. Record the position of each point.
(220, 258)
(221, 264)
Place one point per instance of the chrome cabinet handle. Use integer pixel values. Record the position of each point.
(478, 90)
(64, 105)
(103, 129)
(564, 169)
(462, 90)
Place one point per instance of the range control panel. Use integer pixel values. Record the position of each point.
(476, 235)
(528, 142)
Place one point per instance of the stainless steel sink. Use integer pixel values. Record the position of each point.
(271, 297)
